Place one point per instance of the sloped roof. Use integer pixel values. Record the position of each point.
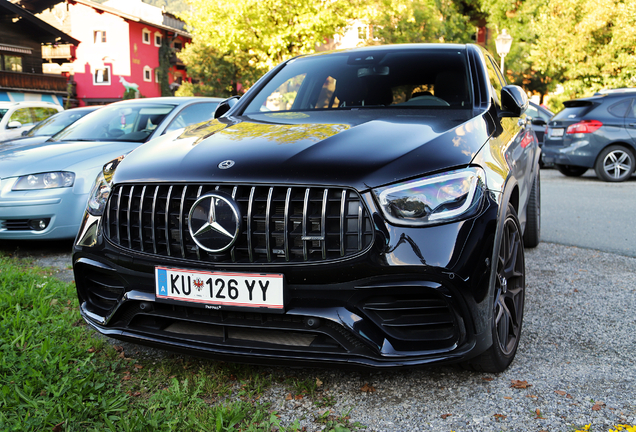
(46, 32)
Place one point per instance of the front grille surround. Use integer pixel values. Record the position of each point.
(280, 224)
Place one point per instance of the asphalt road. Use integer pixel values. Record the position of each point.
(589, 213)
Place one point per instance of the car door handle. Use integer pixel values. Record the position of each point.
(632, 124)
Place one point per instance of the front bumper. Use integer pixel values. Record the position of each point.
(59, 209)
(418, 296)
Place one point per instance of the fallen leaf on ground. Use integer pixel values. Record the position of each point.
(538, 413)
(445, 416)
(488, 379)
(560, 392)
(518, 384)
(299, 397)
(318, 382)
(507, 397)
(367, 388)
(289, 396)
(597, 406)
(499, 416)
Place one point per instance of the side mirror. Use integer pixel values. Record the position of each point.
(538, 121)
(14, 125)
(514, 101)
(225, 106)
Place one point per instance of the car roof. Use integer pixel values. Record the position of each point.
(168, 100)
(9, 104)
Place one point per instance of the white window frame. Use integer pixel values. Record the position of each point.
(103, 37)
(148, 71)
(145, 33)
(103, 83)
(160, 36)
(157, 75)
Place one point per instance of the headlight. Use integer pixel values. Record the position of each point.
(48, 180)
(437, 199)
(101, 189)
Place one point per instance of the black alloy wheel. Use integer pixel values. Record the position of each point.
(615, 164)
(508, 300)
(571, 170)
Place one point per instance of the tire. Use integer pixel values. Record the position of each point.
(571, 170)
(508, 301)
(615, 164)
(532, 234)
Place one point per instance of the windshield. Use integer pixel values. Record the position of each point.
(117, 122)
(56, 123)
(434, 78)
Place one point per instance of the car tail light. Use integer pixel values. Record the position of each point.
(584, 126)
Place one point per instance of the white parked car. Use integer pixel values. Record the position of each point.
(18, 117)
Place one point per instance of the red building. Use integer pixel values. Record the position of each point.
(120, 50)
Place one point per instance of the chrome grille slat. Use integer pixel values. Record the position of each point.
(131, 194)
(181, 215)
(268, 221)
(305, 217)
(167, 227)
(141, 218)
(250, 209)
(343, 221)
(286, 223)
(280, 224)
(153, 226)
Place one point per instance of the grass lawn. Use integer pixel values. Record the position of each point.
(58, 375)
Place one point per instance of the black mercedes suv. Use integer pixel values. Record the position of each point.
(364, 207)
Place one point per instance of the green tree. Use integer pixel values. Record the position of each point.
(519, 18)
(412, 21)
(235, 42)
(589, 44)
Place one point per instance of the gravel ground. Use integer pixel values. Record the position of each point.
(575, 364)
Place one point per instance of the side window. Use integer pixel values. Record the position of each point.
(284, 96)
(495, 80)
(23, 115)
(632, 112)
(621, 109)
(192, 114)
(42, 113)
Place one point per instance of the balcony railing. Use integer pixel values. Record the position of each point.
(66, 52)
(33, 82)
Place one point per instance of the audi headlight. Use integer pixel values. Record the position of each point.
(48, 180)
(436, 199)
(101, 189)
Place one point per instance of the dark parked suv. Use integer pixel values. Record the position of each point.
(596, 132)
(365, 207)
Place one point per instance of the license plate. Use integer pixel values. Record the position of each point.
(214, 290)
(556, 133)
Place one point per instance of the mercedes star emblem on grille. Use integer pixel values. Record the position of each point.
(214, 222)
(226, 164)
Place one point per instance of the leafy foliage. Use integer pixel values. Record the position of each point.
(407, 21)
(235, 42)
(589, 45)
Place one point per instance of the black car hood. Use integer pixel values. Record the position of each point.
(364, 148)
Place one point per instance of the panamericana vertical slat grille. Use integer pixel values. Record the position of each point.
(279, 223)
